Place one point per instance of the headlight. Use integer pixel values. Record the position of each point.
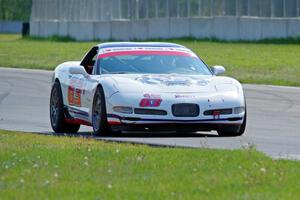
(123, 109)
(238, 110)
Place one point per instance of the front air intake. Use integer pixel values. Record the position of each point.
(142, 111)
(220, 111)
(185, 110)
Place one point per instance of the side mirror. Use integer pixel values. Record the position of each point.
(217, 70)
(78, 70)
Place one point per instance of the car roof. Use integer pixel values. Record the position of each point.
(138, 44)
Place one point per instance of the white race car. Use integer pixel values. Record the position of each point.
(134, 86)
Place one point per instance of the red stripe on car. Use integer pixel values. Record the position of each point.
(114, 123)
(78, 121)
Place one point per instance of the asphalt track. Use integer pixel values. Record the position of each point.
(273, 116)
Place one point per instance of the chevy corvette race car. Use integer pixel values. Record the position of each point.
(128, 86)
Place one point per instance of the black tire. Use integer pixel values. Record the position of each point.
(57, 117)
(99, 115)
(234, 131)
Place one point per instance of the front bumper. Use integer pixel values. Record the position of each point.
(118, 123)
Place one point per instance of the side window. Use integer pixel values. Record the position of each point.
(94, 63)
(89, 60)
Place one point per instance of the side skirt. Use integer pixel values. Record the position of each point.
(80, 118)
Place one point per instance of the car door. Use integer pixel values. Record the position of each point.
(75, 97)
(78, 95)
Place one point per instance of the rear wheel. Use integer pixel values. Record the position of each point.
(234, 131)
(57, 118)
(99, 116)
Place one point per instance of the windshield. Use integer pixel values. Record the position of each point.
(151, 63)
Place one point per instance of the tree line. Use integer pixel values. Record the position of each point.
(18, 10)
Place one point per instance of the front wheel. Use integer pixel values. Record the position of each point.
(99, 116)
(234, 131)
(57, 118)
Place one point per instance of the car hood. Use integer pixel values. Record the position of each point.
(173, 83)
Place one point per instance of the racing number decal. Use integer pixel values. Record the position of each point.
(74, 96)
(74, 93)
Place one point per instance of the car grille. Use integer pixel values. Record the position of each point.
(185, 110)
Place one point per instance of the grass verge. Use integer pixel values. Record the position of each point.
(263, 62)
(47, 167)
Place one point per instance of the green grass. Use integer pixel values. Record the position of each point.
(262, 62)
(49, 167)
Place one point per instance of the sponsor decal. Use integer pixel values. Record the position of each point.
(74, 92)
(167, 80)
(146, 52)
(74, 96)
(115, 49)
(151, 100)
(152, 96)
(184, 96)
(171, 80)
